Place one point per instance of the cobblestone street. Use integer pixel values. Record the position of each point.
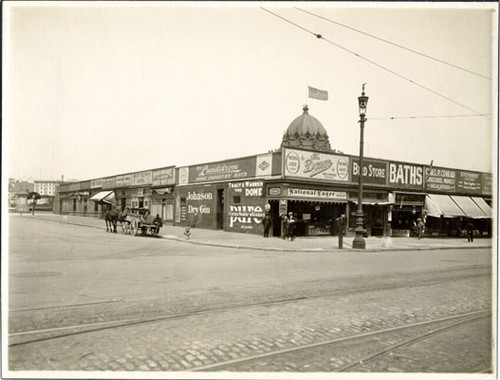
(219, 305)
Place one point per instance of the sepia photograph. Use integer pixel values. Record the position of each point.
(249, 190)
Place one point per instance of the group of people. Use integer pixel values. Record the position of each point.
(289, 224)
(419, 228)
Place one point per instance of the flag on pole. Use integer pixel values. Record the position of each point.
(315, 93)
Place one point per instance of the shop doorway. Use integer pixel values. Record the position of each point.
(220, 209)
(275, 217)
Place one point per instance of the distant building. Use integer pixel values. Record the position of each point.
(46, 187)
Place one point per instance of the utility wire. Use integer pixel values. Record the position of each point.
(394, 44)
(423, 117)
(319, 36)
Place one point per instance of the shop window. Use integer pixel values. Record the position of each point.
(183, 200)
(236, 199)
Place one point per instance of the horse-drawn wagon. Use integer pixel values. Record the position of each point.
(135, 221)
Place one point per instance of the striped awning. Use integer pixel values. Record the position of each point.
(441, 206)
(483, 206)
(107, 197)
(469, 207)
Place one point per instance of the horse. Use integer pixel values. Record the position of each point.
(111, 219)
(125, 221)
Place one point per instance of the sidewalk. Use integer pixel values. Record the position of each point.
(221, 238)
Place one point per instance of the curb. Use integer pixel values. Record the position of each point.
(272, 249)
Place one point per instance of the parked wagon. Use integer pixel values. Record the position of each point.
(139, 221)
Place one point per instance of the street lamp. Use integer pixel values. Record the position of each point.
(359, 240)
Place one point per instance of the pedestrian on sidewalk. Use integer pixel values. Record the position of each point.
(267, 222)
(470, 232)
(284, 223)
(420, 228)
(291, 226)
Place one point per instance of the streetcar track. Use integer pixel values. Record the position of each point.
(473, 316)
(99, 326)
(385, 276)
(407, 343)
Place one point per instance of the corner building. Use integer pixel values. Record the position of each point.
(305, 176)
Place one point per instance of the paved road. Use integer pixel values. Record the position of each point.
(208, 304)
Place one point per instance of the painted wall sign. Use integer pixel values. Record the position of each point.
(109, 183)
(303, 164)
(264, 165)
(406, 175)
(229, 170)
(440, 179)
(142, 178)
(274, 191)
(373, 171)
(317, 194)
(165, 176)
(248, 188)
(245, 215)
(469, 182)
(74, 186)
(96, 183)
(487, 184)
(124, 180)
(184, 175)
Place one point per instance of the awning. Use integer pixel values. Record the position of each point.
(107, 197)
(163, 191)
(441, 205)
(483, 206)
(469, 207)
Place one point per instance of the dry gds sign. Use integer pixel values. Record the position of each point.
(302, 164)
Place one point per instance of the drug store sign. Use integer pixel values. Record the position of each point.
(304, 164)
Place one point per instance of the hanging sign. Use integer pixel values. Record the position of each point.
(487, 183)
(373, 171)
(408, 176)
(124, 180)
(469, 182)
(440, 179)
(324, 166)
(142, 178)
(165, 176)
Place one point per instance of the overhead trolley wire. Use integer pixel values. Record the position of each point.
(319, 36)
(423, 117)
(393, 43)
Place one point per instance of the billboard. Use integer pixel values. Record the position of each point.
(469, 182)
(406, 176)
(374, 172)
(440, 179)
(165, 176)
(323, 166)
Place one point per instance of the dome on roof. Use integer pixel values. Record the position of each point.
(306, 132)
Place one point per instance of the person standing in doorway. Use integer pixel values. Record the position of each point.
(267, 224)
(284, 223)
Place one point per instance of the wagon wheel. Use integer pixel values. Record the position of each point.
(132, 228)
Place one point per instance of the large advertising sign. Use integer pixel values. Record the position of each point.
(440, 179)
(109, 183)
(165, 176)
(487, 184)
(317, 194)
(247, 212)
(407, 176)
(124, 180)
(302, 164)
(222, 171)
(469, 182)
(96, 183)
(142, 178)
(373, 171)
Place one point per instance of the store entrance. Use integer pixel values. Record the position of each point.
(316, 218)
(275, 217)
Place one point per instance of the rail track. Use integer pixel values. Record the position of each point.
(418, 331)
(17, 338)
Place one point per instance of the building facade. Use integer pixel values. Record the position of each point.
(306, 177)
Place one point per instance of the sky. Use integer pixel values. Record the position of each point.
(98, 89)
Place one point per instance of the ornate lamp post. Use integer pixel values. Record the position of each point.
(359, 240)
